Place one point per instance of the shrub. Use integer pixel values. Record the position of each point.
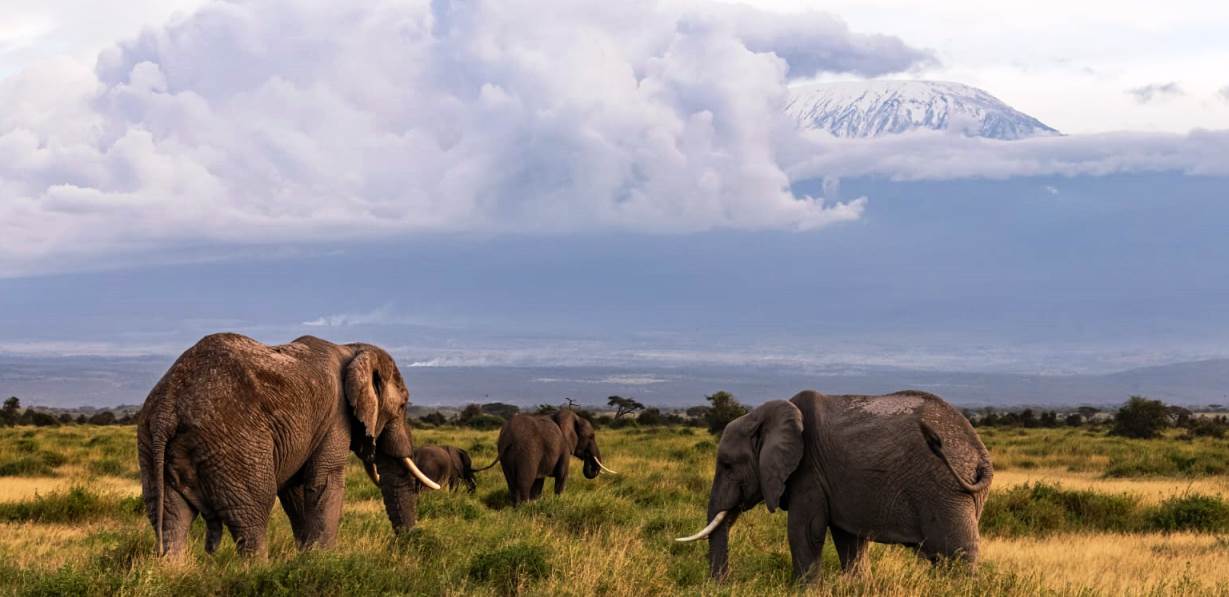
(724, 409)
(75, 505)
(650, 416)
(1140, 418)
(1191, 513)
(434, 418)
(1043, 509)
(509, 568)
(485, 422)
(1208, 427)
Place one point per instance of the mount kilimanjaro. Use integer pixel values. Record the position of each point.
(875, 108)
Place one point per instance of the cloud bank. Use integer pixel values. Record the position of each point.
(276, 121)
(937, 155)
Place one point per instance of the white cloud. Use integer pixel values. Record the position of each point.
(278, 121)
(1223, 92)
(1156, 91)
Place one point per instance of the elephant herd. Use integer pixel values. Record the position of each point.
(235, 425)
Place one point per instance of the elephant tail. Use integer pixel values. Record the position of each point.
(159, 449)
(478, 470)
(160, 436)
(981, 477)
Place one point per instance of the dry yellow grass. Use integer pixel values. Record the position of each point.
(1148, 489)
(1114, 564)
(15, 489)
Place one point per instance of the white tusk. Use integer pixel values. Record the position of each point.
(372, 472)
(603, 467)
(409, 464)
(706, 530)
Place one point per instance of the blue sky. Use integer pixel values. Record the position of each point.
(616, 185)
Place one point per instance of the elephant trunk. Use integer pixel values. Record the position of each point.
(719, 550)
(398, 481)
(400, 492)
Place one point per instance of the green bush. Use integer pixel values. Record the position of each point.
(1141, 418)
(510, 568)
(75, 505)
(1191, 513)
(1044, 509)
(485, 422)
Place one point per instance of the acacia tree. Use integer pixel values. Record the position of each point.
(1141, 418)
(11, 412)
(723, 410)
(624, 406)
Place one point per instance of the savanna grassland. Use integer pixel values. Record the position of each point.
(1071, 511)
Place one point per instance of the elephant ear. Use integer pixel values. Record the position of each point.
(364, 386)
(566, 419)
(780, 439)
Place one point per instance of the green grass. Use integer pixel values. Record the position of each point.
(609, 536)
(1091, 450)
(45, 452)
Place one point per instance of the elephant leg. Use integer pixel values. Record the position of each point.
(177, 517)
(322, 511)
(535, 492)
(850, 548)
(291, 498)
(213, 533)
(561, 476)
(525, 479)
(807, 523)
(511, 478)
(245, 510)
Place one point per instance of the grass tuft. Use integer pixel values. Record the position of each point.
(510, 569)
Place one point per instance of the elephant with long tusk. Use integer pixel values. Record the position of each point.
(905, 468)
(235, 425)
(533, 447)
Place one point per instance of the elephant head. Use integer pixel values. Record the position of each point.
(579, 437)
(757, 454)
(377, 396)
(464, 467)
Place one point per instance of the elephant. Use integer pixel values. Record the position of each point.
(447, 465)
(234, 424)
(889, 469)
(533, 447)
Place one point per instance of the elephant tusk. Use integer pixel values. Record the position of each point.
(602, 466)
(372, 472)
(706, 530)
(410, 466)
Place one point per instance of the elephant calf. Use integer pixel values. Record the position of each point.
(235, 424)
(905, 468)
(533, 447)
(446, 465)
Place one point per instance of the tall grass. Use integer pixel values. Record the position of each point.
(608, 536)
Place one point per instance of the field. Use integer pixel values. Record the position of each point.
(1071, 512)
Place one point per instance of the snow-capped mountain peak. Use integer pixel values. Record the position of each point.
(873, 108)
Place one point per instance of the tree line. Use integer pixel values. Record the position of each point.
(12, 413)
(1140, 417)
(722, 408)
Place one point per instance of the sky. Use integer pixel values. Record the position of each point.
(615, 184)
(1133, 65)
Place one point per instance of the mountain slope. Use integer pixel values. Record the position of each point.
(874, 108)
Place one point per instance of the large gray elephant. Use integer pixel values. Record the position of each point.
(533, 447)
(905, 468)
(235, 424)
